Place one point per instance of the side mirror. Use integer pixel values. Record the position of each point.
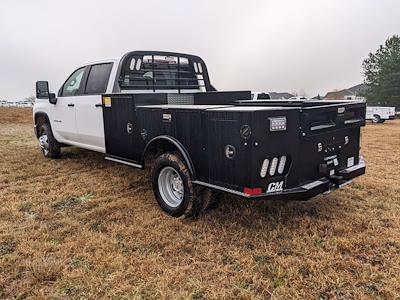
(42, 92)
(52, 98)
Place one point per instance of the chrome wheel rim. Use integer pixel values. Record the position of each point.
(170, 186)
(44, 143)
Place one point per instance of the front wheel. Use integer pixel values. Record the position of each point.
(173, 187)
(49, 145)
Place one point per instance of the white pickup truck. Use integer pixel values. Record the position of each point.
(379, 114)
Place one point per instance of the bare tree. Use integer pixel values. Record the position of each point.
(303, 93)
(31, 99)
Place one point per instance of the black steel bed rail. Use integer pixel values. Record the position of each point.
(161, 70)
(164, 87)
(160, 78)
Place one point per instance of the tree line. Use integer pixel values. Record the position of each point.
(381, 71)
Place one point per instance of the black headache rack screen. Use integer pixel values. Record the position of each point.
(156, 71)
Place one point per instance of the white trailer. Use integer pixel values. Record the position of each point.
(24, 104)
(379, 114)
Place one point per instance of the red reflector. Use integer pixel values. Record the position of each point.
(257, 191)
(249, 191)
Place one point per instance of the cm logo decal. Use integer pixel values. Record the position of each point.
(275, 187)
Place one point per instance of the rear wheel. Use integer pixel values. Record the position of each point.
(376, 119)
(173, 187)
(49, 145)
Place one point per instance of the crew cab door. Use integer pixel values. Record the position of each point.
(63, 112)
(89, 113)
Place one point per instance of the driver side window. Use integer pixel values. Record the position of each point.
(72, 85)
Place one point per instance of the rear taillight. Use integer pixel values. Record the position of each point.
(264, 168)
(273, 166)
(282, 163)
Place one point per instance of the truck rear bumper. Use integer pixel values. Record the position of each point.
(305, 191)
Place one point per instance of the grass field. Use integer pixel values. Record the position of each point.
(84, 228)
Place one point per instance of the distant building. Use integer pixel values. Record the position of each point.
(318, 97)
(353, 93)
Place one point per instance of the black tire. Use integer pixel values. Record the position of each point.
(51, 148)
(376, 119)
(382, 121)
(191, 203)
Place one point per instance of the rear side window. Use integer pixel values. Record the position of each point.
(98, 79)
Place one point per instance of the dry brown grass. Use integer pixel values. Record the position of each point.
(84, 228)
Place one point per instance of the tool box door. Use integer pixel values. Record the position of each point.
(225, 152)
(121, 128)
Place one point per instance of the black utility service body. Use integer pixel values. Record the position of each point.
(273, 149)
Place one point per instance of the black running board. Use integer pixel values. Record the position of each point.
(123, 161)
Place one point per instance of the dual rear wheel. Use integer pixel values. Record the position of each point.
(173, 188)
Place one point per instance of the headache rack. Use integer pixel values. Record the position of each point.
(154, 71)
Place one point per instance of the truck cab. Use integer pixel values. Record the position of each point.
(76, 118)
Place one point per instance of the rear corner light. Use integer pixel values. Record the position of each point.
(277, 124)
(274, 164)
(282, 163)
(264, 168)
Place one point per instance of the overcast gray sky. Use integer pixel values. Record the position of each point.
(310, 45)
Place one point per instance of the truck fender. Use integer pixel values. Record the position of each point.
(175, 144)
(39, 115)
